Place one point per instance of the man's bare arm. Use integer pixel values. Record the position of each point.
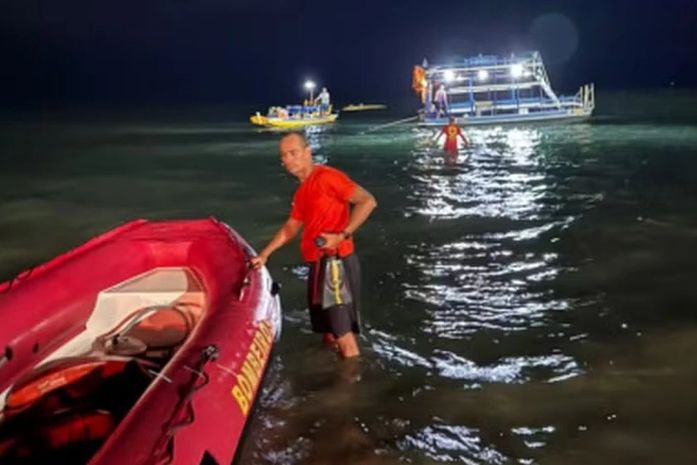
(363, 205)
(285, 233)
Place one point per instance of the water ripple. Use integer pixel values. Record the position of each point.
(500, 197)
(453, 444)
(449, 365)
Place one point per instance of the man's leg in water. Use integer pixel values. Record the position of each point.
(348, 347)
(330, 341)
(341, 319)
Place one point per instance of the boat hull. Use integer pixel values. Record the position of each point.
(560, 116)
(198, 403)
(259, 120)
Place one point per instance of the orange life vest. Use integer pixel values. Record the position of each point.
(418, 80)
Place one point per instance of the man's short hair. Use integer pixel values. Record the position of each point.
(299, 134)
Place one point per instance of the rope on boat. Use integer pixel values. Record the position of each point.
(393, 123)
(183, 414)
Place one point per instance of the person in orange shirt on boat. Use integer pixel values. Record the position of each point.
(452, 131)
(329, 207)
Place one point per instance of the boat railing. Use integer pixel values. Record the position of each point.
(493, 87)
(297, 111)
(586, 97)
(566, 99)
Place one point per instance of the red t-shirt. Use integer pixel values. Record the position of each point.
(451, 132)
(321, 203)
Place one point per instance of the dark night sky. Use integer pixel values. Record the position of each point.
(245, 51)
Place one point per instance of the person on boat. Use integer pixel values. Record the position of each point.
(329, 207)
(452, 131)
(441, 99)
(323, 99)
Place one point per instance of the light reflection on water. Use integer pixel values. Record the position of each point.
(447, 443)
(478, 281)
(484, 279)
(446, 364)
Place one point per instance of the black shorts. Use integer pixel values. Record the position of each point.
(339, 319)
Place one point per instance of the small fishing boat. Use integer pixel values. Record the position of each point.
(294, 116)
(145, 345)
(364, 107)
(490, 89)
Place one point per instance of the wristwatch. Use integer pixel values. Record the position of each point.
(345, 234)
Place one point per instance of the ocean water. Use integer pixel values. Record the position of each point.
(532, 301)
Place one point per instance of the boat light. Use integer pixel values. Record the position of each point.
(309, 85)
(449, 75)
(516, 70)
(483, 75)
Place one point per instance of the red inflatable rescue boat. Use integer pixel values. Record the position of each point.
(146, 345)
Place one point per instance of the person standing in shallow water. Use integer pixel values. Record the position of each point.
(322, 209)
(452, 131)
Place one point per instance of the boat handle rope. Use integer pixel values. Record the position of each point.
(164, 450)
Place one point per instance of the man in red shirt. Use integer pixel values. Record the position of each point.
(452, 131)
(321, 207)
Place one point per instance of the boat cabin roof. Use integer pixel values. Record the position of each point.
(483, 62)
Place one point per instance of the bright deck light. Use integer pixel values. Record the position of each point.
(516, 70)
(482, 75)
(449, 75)
(309, 85)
